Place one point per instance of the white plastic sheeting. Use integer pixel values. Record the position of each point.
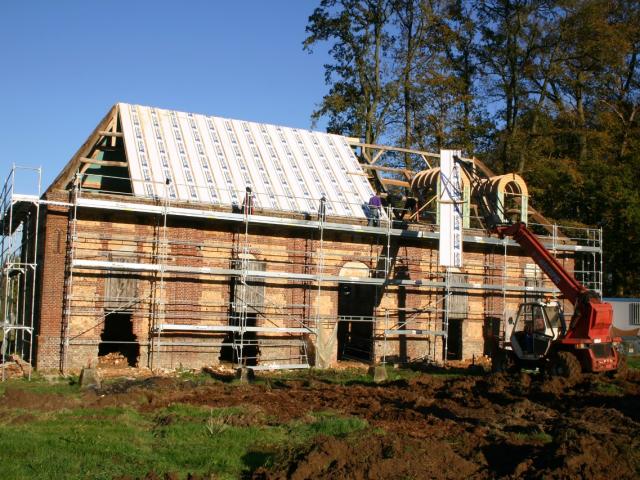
(197, 158)
(451, 205)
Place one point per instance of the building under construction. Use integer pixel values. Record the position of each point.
(184, 240)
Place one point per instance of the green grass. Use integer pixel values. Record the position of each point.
(107, 442)
(609, 389)
(538, 437)
(103, 443)
(57, 386)
(343, 376)
(634, 362)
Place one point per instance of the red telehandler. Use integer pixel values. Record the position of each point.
(539, 337)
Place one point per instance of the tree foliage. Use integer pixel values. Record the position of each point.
(547, 88)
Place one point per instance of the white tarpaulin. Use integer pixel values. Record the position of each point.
(212, 160)
(450, 210)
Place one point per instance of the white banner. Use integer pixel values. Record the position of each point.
(450, 201)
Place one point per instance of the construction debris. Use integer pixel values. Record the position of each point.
(113, 359)
(90, 378)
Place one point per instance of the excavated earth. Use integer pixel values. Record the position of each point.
(432, 426)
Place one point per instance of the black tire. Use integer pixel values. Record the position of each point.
(566, 365)
(497, 359)
(504, 361)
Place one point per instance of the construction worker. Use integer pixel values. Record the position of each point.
(375, 205)
(322, 209)
(247, 205)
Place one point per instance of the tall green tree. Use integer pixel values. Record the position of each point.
(511, 41)
(547, 88)
(361, 91)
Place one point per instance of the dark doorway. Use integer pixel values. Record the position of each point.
(355, 328)
(230, 351)
(454, 339)
(118, 337)
(491, 334)
(236, 348)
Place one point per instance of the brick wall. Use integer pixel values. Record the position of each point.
(52, 267)
(198, 299)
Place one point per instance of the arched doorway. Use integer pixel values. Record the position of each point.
(356, 303)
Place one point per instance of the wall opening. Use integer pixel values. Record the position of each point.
(249, 296)
(491, 334)
(230, 351)
(454, 339)
(118, 337)
(355, 328)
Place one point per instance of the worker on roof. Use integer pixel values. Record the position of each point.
(375, 205)
(249, 200)
(322, 209)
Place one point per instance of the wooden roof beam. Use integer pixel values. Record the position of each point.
(388, 169)
(398, 183)
(103, 163)
(104, 133)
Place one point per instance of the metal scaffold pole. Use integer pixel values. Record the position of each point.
(160, 297)
(319, 327)
(387, 263)
(504, 281)
(34, 269)
(72, 239)
(7, 251)
(445, 317)
(601, 272)
(244, 266)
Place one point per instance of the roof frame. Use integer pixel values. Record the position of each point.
(86, 155)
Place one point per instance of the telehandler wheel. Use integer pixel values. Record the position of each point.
(504, 362)
(565, 364)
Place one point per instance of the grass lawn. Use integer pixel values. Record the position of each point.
(634, 362)
(103, 443)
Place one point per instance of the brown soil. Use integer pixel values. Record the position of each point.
(24, 399)
(491, 426)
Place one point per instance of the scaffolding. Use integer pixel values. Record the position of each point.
(20, 215)
(274, 315)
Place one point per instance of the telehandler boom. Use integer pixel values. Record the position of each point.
(540, 338)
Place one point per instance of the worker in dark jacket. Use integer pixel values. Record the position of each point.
(247, 205)
(375, 205)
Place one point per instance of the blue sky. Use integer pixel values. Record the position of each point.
(64, 63)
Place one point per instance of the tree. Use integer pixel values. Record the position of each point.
(620, 84)
(361, 92)
(560, 77)
(511, 40)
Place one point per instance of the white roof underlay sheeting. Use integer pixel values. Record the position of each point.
(213, 160)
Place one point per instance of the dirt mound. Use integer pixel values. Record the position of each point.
(15, 367)
(167, 476)
(431, 426)
(11, 370)
(375, 457)
(495, 426)
(24, 399)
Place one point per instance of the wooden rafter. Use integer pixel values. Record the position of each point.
(371, 153)
(399, 183)
(404, 171)
(387, 148)
(106, 133)
(85, 156)
(102, 163)
(536, 215)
